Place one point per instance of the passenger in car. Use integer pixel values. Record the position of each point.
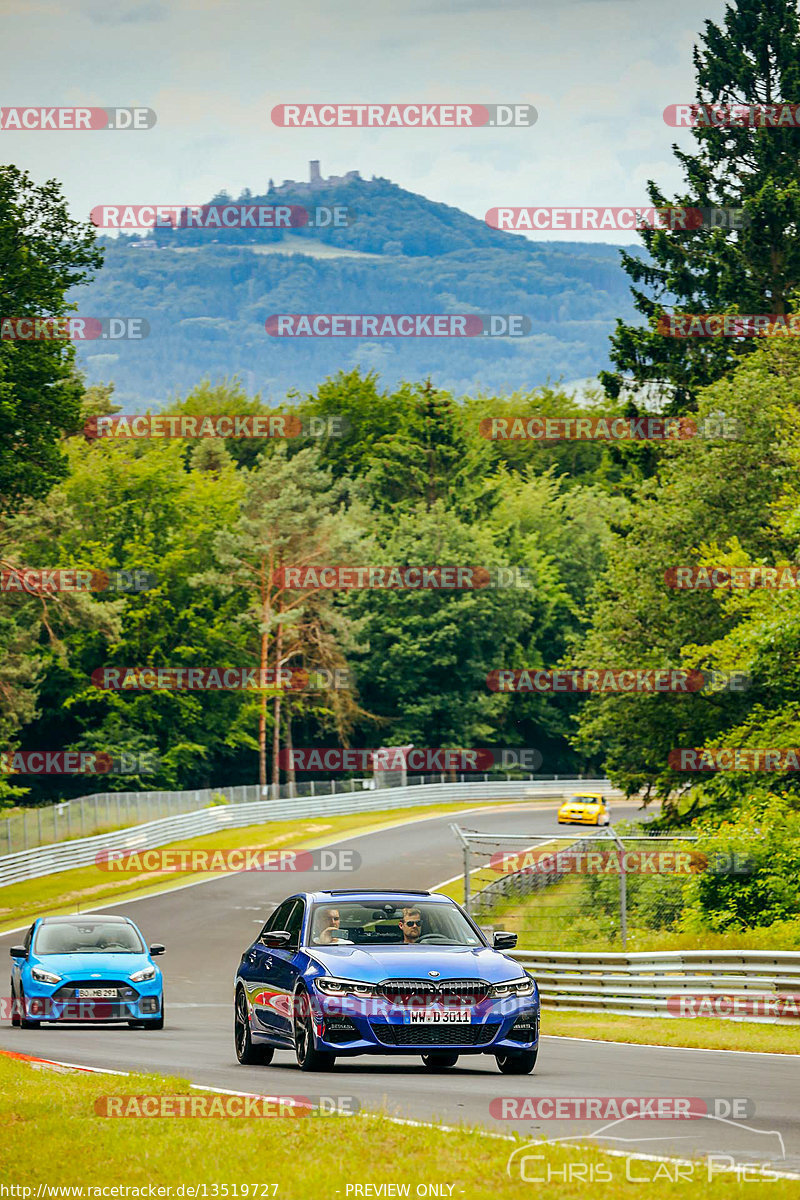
(411, 926)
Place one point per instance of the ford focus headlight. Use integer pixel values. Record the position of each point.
(145, 973)
(42, 976)
(342, 987)
(514, 987)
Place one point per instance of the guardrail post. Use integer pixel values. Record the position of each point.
(623, 890)
(465, 844)
(467, 896)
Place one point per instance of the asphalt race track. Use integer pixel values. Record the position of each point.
(206, 927)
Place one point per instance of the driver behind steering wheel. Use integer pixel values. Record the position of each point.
(411, 926)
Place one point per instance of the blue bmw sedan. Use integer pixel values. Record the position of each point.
(86, 968)
(365, 972)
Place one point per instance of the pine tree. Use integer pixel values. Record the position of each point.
(43, 253)
(753, 60)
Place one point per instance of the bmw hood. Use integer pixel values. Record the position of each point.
(415, 962)
(84, 966)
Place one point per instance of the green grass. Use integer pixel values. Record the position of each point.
(50, 1134)
(697, 1033)
(88, 887)
(561, 917)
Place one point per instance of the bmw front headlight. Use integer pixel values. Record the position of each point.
(145, 973)
(342, 987)
(42, 976)
(514, 987)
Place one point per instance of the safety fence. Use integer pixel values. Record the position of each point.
(556, 892)
(742, 985)
(80, 852)
(100, 813)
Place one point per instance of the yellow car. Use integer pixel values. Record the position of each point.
(584, 809)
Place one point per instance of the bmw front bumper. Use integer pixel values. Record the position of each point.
(347, 1025)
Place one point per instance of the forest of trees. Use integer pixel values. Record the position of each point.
(207, 304)
(412, 480)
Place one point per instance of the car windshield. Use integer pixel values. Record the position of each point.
(87, 937)
(389, 923)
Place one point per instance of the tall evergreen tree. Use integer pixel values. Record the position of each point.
(43, 253)
(753, 60)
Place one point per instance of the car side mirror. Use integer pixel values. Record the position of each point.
(503, 940)
(276, 938)
(18, 952)
(157, 948)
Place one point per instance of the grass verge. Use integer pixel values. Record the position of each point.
(703, 1033)
(46, 1116)
(88, 887)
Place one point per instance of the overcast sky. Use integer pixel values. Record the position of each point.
(599, 72)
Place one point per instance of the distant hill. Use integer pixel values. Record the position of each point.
(207, 294)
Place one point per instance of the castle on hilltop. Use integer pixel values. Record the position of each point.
(315, 180)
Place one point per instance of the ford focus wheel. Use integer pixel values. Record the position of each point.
(24, 1009)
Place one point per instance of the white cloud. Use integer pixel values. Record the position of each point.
(600, 72)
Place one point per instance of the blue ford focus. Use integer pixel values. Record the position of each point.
(86, 968)
(364, 972)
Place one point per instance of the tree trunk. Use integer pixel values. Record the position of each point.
(262, 714)
(291, 775)
(276, 714)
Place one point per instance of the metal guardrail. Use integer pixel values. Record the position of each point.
(81, 852)
(652, 984)
(515, 886)
(102, 812)
(518, 884)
